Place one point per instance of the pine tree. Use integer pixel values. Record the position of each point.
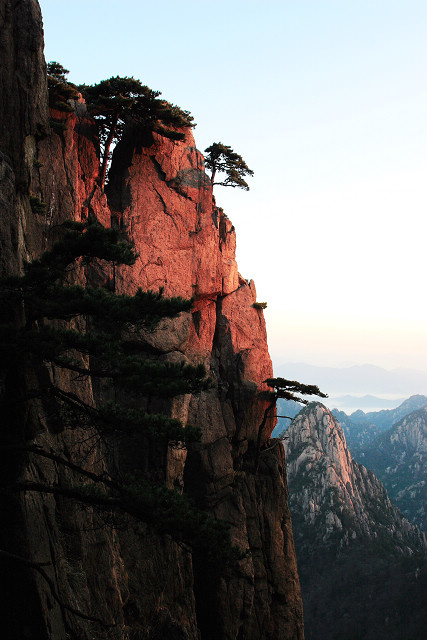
(220, 158)
(115, 101)
(283, 389)
(59, 89)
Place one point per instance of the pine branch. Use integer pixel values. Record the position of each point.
(97, 478)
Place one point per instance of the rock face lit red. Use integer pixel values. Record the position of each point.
(162, 199)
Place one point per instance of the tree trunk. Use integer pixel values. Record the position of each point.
(103, 170)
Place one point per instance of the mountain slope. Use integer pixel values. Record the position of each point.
(358, 434)
(349, 537)
(399, 458)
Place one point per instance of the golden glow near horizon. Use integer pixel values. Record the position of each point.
(342, 341)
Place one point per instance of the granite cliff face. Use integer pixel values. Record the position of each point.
(146, 585)
(350, 539)
(24, 118)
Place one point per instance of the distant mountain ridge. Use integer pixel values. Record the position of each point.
(358, 556)
(388, 417)
(365, 402)
(361, 428)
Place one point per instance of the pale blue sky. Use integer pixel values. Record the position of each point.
(327, 103)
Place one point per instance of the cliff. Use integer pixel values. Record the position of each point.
(351, 540)
(140, 583)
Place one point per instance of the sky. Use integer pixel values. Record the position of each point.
(327, 103)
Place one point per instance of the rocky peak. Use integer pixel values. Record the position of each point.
(350, 540)
(316, 438)
(332, 491)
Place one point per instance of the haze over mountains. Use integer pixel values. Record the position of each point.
(358, 379)
(368, 402)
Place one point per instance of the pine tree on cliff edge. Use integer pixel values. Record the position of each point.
(116, 101)
(285, 389)
(220, 158)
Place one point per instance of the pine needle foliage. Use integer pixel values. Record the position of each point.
(221, 158)
(60, 91)
(119, 100)
(288, 388)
